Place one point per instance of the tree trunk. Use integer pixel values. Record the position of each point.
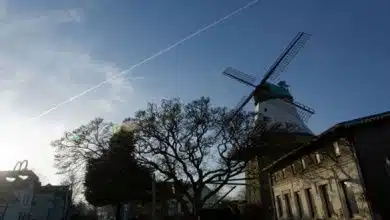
(197, 204)
(118, 213)
(184, 207)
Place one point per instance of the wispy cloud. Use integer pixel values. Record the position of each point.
(38, 69)
(3, 9)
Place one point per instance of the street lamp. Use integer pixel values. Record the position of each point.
(18, 171)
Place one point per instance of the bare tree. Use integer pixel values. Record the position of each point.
(76, 189)
(74, 149)
(190, 144)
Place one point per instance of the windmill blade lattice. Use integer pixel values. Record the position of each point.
(244, 100)
(244, 78)
(301, 111)
(289, 53)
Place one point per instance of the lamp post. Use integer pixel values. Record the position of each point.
(19, 167)
(153, 197)
(16, 173)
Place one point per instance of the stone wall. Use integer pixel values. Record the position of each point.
(329, 177)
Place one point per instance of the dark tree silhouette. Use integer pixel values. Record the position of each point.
(190, 144)
(116, 177)
(79, 211)
(75, 148)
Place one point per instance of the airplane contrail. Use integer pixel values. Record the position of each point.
(194, 34)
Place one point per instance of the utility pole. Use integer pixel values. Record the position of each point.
(153, 197)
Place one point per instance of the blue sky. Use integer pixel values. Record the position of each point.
(341, 72)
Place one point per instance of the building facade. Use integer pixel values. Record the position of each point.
(18, 193)
(24, 198)
(321, 185)
(340, 174)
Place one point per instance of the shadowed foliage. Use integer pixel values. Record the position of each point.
(75, 148)
(115, 177)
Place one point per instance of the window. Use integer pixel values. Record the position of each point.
(25, 199)
(289, 171)
(294, 171)
(273, 177)
(310, 202)
(350, 199)
(299, 204)
(336, 148)
(279, 206)
(298, 166)
(326, 200)
(279, 175)
(309, 160)
(303, 163)
(387, 165)
(257, 107)
(22, 216)
(287, 201)
(318, 157)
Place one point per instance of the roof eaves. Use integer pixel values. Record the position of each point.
(328, 133)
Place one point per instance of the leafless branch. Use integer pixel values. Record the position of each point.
(192, 142)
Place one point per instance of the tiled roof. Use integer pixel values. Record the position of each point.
(333, 131)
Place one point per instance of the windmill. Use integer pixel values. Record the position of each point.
(273, 101)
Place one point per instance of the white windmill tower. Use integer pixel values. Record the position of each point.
(273, 101)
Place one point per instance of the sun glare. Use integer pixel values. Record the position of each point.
(21, 140)
(12, 147)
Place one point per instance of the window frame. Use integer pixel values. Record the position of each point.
(325, 200)
(298, 201)
(310, 202)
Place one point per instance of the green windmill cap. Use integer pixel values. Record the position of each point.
(272, 91)
(281, 89)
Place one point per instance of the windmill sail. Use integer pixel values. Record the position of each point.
(239, 76)
(304, 111)
(273, 73)
(285, 58)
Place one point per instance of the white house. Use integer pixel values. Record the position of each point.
(18, 193)
(23, 198)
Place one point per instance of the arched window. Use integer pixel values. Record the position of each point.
(387, 165)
